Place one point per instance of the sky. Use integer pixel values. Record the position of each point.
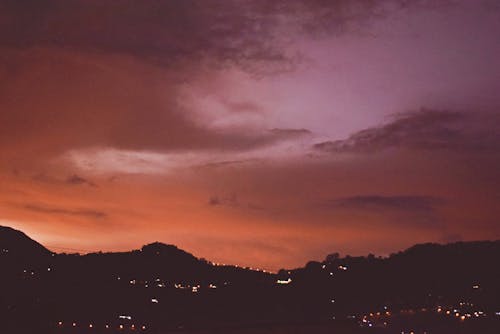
(250, 132)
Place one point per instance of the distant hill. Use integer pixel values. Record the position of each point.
(162, 288)
(17, 244)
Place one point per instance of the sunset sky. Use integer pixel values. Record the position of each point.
(252, 132)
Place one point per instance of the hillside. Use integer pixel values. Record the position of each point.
(162, 287)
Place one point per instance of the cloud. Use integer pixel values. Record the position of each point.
(252, 34)
(426, 130)
(225, 163)
(115, 82)
(214, 200)
(162, 97)
(407, 203)
(72, 180)
(229, 200)
(290, 132)
(60, 211)
(110, 101)
(164, 32)
(243, 107)
(76, 180)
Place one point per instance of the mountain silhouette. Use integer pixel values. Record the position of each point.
(169, 253)
(16, 244)
(164, 288)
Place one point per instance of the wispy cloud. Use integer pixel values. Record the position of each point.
(234, 32)
(231, 200)
(63, 211)
(424, 129)
(408, 203)
(290, 132)
(73, 180)
(76, 180)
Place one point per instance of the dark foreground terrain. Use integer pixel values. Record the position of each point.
(428, 288)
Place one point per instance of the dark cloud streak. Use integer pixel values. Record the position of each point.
(240, 32)
(60, 211)
(77, 180)
(408, 203)
(426, 130)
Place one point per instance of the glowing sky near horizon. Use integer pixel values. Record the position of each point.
(260, 133)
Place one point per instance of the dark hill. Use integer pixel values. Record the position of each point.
(14, 243)
(165, 288)
(168, 253)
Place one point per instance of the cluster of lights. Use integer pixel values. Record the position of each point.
(372, 315)
(106, 326)
(160, 284)
(366, 322)
(340, 267)
(157, 282)
(330, 272)
(33, 273)
(455, 312)
(218, 264)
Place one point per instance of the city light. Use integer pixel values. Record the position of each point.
(287, 281)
